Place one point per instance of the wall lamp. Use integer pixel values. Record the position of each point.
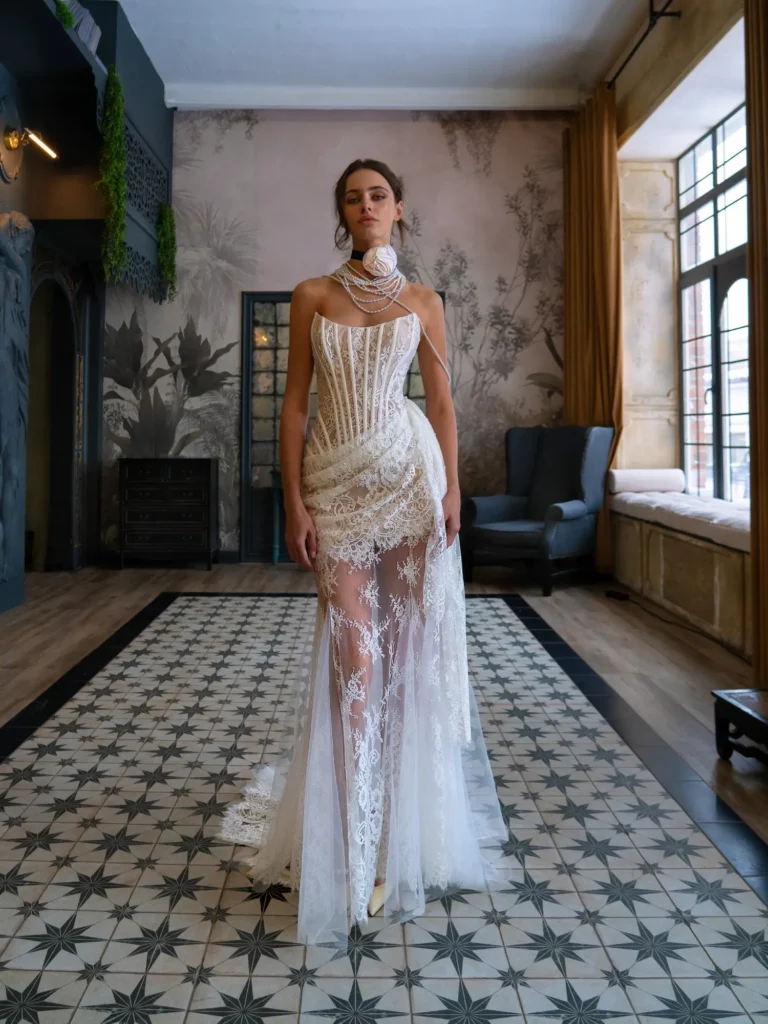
(16, 137)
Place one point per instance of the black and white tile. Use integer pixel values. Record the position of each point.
(119, 903)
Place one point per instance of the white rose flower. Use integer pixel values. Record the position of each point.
(380, 261)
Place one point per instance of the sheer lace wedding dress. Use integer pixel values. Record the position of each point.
(387, 775)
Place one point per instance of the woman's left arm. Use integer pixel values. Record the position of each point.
(440, 411)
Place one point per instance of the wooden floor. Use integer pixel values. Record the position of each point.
(666, 672)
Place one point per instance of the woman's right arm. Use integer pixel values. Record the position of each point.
(300, 535)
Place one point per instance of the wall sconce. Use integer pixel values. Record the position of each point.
(17, 137)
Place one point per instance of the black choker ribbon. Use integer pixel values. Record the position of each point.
(357, 254)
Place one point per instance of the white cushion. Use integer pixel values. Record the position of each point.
(619, 480)
(711, 518)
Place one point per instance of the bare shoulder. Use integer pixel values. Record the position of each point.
(425, 300)
(310, 291)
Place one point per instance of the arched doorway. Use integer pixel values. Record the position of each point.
(50, 490)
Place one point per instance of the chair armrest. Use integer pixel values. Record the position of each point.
(493, 508)
(566, 510)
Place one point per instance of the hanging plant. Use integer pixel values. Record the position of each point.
(112, 183)
(64, 14)
(166, 247)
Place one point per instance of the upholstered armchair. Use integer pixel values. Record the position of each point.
(548, 515)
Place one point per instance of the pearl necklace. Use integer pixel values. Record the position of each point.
(387, 286)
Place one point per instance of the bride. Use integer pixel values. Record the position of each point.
(386, 790)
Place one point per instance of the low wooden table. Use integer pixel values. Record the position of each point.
(741, 713)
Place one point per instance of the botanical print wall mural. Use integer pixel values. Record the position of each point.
(252, 197)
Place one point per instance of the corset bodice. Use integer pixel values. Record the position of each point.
(361, 372)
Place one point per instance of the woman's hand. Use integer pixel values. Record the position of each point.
(300, 535)
(451, 514)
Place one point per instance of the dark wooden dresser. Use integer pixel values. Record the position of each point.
(169, 509)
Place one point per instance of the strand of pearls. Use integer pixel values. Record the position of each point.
(377, 289)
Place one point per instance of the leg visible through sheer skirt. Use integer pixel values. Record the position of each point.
(376, 623)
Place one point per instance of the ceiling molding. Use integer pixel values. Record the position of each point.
(228, 96)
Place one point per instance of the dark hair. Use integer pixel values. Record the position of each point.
(341, 236)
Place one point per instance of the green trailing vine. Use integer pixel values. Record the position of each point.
(112, 183)
(64, 14)
(166, 247)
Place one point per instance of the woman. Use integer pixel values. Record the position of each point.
(388, 789)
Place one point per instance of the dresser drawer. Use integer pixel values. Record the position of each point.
(189, 516)
(188, 469)
(165, 494)
(164, 540)
(144, 470)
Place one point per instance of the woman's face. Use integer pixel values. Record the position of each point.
(370, 209)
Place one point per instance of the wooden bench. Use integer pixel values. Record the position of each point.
(741, 713)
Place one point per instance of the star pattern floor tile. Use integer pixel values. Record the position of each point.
(120, 904)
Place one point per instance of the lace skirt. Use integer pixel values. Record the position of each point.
(387, 774)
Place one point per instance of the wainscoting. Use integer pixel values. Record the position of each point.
(706, 584)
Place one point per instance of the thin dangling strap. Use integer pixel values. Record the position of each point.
(424, 332)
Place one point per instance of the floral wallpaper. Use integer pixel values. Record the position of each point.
(254, 212)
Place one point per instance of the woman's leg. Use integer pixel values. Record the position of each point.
(356, 708)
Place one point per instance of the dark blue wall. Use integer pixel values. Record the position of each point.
(11, 196)
(14, 378)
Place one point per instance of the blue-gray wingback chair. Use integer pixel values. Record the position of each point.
(555, 479)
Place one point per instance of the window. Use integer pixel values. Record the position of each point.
(714, 311)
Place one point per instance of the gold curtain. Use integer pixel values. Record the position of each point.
(756, 33)
(592, 300)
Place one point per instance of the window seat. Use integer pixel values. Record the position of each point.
(701, 517)
(685, 553)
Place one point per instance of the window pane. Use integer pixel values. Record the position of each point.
(735, 344)
(736, 475)
(732, 145)
(697, 312)
(699, 470)
(686, 178)
(264, 313)
(735, 311)
(736, 431)
(704, 166)
(697, 237)
(263, 430)
(732, 217)
(736, 387)
(264, 359)
(697, 391)
(263, 383)
(262, 453)
(697, 430)
(263, 337)
(262, 407)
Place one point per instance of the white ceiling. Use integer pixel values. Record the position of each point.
(400, 54)
(710, 92)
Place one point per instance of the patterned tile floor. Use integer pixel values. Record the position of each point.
(118, 903)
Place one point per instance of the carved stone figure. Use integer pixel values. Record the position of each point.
(16, 237)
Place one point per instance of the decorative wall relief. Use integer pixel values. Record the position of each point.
(651, 390)
(16, 237)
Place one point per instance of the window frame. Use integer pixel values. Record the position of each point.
(719, 271)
